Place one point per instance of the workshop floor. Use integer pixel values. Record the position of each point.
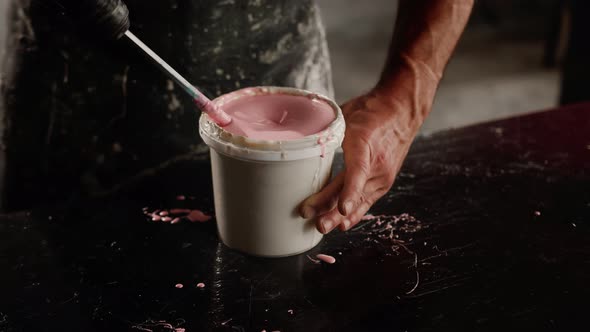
(492, 75)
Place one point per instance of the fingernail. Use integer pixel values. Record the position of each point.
(328, 225)
(347, 207)
(346, 224)
(308, 212)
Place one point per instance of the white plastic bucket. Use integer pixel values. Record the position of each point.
(258, 185)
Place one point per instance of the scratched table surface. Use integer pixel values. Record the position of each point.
(496, 237)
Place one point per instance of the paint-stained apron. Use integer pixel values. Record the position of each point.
(81, 117)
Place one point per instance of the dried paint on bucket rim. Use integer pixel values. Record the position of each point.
(242, 147)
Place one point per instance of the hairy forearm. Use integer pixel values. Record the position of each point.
(426, 32)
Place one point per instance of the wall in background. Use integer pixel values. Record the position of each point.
(496, 71)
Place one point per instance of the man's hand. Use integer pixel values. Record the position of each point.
(374, 149)
(381, 125)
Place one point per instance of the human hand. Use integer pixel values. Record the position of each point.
(378, 136)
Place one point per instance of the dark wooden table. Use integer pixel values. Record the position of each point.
(501, 241)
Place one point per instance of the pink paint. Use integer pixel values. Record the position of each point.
(180, 211)
(322, 144)
(214, 112)
(537, 213)
(315, 261)
(322, 140)
(200, 285)
(326, 258)
(179, 286)
(283, 117)
(180, 197)
(198, 215)
(175, 216)
(158, 325)
(278, 117)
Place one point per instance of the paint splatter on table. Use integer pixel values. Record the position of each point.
(466, 256)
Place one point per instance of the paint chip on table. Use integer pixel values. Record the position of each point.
(153, 326)
(176, 215)
(326, 258)
(180, 211)
(315, 261)
(198, 215)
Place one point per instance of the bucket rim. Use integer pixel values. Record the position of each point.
(318, 144)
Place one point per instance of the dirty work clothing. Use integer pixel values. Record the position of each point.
(81, 116)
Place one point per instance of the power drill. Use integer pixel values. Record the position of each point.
(109, 19)
(106, 19)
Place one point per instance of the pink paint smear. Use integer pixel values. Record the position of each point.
(326, 258)
(278, 117)
(322, 258)
(161, 325)
(176, 215)
(197, 215)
